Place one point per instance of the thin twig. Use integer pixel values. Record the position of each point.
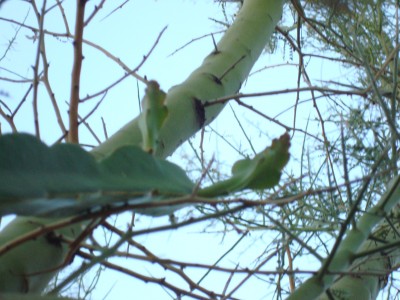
(40, 18)
(94, 12)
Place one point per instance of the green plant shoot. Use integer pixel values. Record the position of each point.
(261, 172)
(154, 113)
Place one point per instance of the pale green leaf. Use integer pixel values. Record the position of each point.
(261, 172)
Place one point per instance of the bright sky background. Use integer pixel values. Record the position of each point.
(129, 33)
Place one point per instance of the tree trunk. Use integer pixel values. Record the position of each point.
(357, 241)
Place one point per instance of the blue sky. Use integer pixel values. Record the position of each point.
(129, 33)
